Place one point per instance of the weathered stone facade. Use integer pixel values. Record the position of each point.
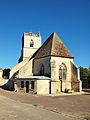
(42, 62)
(30, 43)
(33, 85)
(26, 69)
(49, 70)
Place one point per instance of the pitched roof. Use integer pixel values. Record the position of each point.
(53, 46)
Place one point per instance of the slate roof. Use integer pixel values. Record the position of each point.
(53, 46)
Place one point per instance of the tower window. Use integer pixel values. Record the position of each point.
(31, 43)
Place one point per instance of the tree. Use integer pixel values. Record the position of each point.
(85, 77)
(84, 73)
(6, 73)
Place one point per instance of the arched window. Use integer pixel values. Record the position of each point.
(42, 70)
(62, 72)
(31, 43)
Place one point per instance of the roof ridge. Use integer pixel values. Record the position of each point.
(63, 44)
(56, 39)
(53, 34)
(53, 42)
(53, 46)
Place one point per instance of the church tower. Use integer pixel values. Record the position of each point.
(30, 43)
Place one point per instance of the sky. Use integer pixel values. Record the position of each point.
(70, 19)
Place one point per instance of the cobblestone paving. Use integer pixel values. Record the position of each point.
(72, 107)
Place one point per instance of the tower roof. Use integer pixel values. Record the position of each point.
(53, 46)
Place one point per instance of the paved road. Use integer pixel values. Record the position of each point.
(12, 110)
(16, 106)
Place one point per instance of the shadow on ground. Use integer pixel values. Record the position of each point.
(87, 91)
(8, 86)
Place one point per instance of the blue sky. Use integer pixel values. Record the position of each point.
(69, 18)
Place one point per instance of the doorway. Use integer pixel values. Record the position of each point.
(27, 86)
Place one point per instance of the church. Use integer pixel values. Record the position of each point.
(45, 69)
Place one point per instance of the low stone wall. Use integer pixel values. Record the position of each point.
(34, 86)
(42, 86)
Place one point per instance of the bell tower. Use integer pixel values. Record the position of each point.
(30, 43)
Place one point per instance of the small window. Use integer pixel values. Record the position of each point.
(22, 84)
(31, 43)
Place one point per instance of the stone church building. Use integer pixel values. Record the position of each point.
(45, 69)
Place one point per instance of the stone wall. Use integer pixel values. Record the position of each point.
(26, 70)
(74, 72)
(51, 68)
(43, 86)
(18, 66)
(28, 52)
(55, 63)
(38, 64)
(76, 83)
(75, 86)
(55, 87)
(26, 49)
(55, 70)
(40, 86)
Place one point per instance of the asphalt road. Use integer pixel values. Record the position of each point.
(17, 106)
(12, 110)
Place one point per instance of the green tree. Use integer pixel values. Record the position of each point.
(84, 73)
(6, 73)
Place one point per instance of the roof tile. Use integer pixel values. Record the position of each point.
(53, 46)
